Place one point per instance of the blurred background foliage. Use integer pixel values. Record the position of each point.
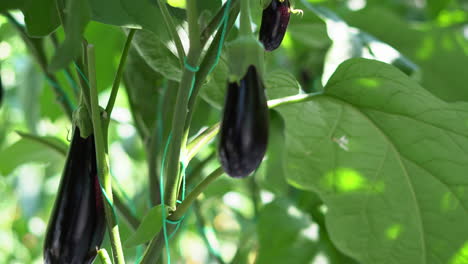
(237, 221)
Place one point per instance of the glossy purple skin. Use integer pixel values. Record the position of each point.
(77, 225)
(244, 129)
(275, 19)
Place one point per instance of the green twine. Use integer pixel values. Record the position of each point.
(81, 74)
(72, 82)
(193, 69)
(114, 215)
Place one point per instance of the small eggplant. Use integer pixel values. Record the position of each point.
(244, 129)
(275, 19)
(77, 224)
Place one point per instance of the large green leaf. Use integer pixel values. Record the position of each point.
(271, 174)
(107, 50)
(133, 14)
(149, 227)
(390, 162)
(41, 17)
(156, 53)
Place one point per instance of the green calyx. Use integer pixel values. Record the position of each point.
(243, 52)
(82, 119)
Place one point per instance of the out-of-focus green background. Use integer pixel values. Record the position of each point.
(432, 34)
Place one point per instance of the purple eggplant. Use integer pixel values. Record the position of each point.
(244, 129)
(275, 19)
(77, 224)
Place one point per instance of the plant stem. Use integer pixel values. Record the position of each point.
(101, 160)
(118, 75)
(102, 253)
(293, 99)
(185, 205)
(171, 28)
(179, 132)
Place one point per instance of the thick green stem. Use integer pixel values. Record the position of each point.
(101, 160)
(179, 132)
(171, 28)
(103, 256)
(118, 75)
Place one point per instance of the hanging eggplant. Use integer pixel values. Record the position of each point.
(244, 129)
(77, 224)
(275, 19)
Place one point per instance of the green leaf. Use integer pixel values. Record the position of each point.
(389, 160)
(107, 49)
(142, 85)
(156, 53)
(149, 227)
(441, 53)
(273, 176)
(26, 151)
(78, 14)
(284, 234)
(41, 17)
(12, 4)
(280, 83)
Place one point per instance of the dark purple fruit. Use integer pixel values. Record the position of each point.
(77, 225)
(244, 129)
(275, 19)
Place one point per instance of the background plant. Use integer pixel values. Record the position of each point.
(371, 171)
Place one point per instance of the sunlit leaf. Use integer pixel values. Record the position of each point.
(388, 159)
